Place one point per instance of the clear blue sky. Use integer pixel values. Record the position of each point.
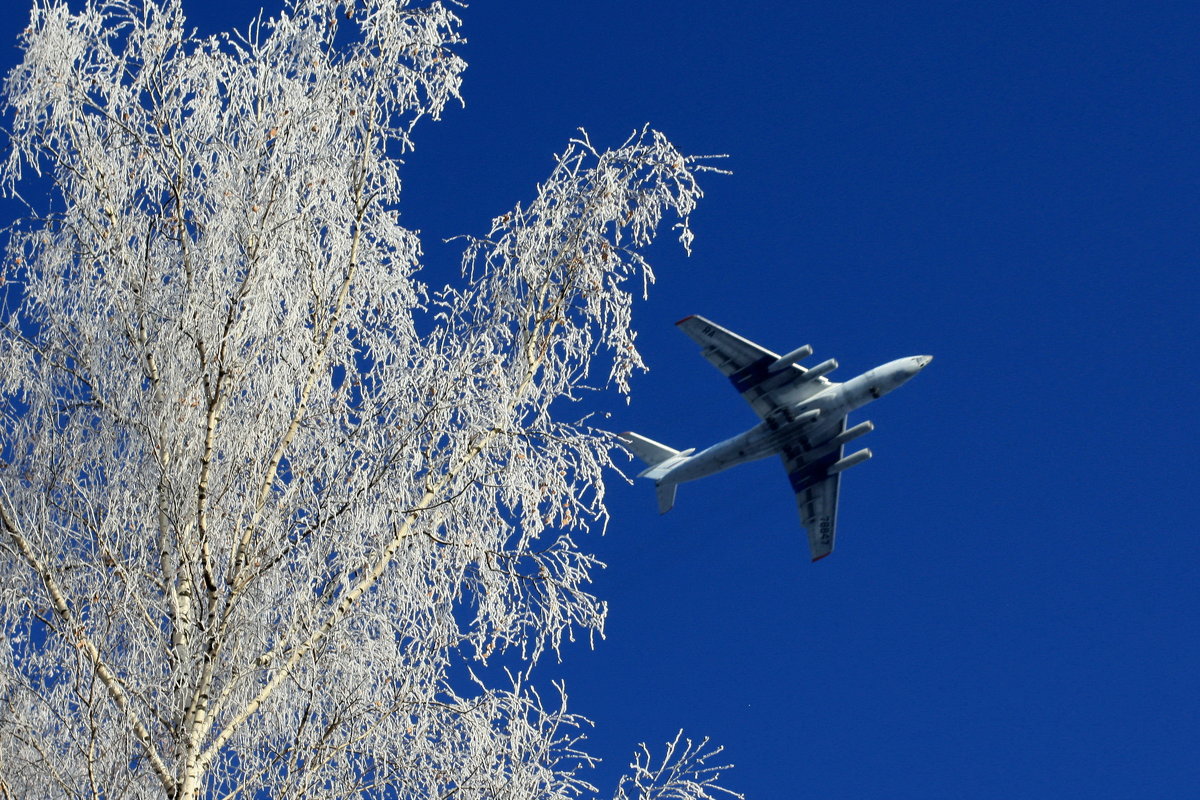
(1011, 187)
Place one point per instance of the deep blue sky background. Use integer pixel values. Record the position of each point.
(1013, 188)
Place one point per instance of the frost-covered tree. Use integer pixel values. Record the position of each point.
(264, 497)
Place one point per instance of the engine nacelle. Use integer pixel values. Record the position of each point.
(806, 417)
(845, 436)
(791, 358)
(850, 461)
(853, 433)
(824, 368)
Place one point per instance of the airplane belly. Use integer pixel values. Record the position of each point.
(750, 446)
(696, 467)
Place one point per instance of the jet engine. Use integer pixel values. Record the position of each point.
(850, 461)
(824, 368)
(791, 358)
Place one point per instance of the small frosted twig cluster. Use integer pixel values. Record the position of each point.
(683, 773)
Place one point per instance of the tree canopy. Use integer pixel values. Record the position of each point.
(265, 496)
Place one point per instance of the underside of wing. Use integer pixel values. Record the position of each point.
(751, 368)
(818, 511)
(724, 349)
(816, 490)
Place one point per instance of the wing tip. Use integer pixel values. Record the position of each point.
(685, 319)
(823, 555)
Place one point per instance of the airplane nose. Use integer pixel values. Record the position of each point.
(922, 361)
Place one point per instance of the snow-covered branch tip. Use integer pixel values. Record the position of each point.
(683, 773)
(575, 246)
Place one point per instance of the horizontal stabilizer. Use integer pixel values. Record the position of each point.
(647, 450)
(666, 496)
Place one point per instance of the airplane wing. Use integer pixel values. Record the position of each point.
(816, 490)
(747, 366)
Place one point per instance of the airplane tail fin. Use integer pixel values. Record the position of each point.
(659, 459)
(666, 496)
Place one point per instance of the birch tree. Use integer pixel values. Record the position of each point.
(265, 498)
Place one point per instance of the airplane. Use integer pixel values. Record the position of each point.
(803, 417)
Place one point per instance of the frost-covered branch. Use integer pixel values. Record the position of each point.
(683, 773)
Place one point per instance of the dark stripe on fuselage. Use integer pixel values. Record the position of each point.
(752, 374)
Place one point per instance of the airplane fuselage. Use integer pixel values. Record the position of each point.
(770, 437)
